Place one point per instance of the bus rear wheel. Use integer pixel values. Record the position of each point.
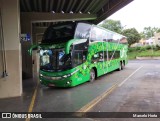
(92, 75)
(120, 66)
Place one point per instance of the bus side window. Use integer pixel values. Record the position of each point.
(117, 54)
(105, 55)
(113, 55)
(101, 56)
(78, 58)
(95, 57)
(84, 56)
(80, 53)
(110, 53)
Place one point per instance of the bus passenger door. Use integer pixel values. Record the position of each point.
(35, 62)
(79, 55)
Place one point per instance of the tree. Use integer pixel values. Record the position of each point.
(143, 35)
(149, 32)
(113, 25)
(132, 35)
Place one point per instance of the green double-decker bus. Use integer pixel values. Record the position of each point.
(73, 53)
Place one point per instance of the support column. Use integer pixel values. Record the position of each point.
(11, 85)
(26, 27)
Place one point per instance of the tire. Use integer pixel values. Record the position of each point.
(92, 75)
(120, 66)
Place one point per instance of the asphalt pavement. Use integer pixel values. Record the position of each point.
(134, 89)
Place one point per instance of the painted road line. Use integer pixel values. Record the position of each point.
(97, 99)
(91, 104)
(32, 102)
(129, 76)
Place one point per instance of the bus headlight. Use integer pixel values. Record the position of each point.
(68, 75)
(65, 76)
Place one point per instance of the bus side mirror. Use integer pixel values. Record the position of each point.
(38, 51)
(33, 47)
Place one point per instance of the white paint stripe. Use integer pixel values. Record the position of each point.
(129, 77)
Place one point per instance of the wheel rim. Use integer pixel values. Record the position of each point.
(92, 75)
(120, 66)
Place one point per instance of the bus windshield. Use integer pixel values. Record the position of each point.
(54, 60)
(82, 31)
(59, 33)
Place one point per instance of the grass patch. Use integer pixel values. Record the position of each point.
(149, 53)
(143, 52)
(132, 55)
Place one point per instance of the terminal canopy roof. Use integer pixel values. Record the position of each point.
(93, 11)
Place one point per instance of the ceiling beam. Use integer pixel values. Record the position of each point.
(98, 7)
(89, 7)
(69, 5)
(51, 5)
(58, 4)
(82, 7)
(79, 6)
(62, 5)
(72, 6)
(35, 5)
(40, 5)
(28, 5)
(50, 17)
(47, 5)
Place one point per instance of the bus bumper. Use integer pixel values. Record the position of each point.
(57, 83)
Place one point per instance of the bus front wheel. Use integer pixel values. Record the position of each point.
(92, 75)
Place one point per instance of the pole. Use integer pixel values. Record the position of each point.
(152, 40)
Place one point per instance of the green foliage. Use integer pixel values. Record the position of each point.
(112, 25)
(143, 36)
(148, 47)
(148, 32)
(132, 35)
(154, 47)
(149, 53)
(131, 49)
(138, 48)
(158, 47)
(132, 55)
(144, 51)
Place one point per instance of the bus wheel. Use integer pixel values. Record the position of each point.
(120, 66)
(92, 75)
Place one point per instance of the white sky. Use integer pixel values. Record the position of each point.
(139, 14)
